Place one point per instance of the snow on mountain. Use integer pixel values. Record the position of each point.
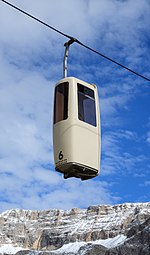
(75, 231)
(108, 243)
(71, 247)
(9, 249)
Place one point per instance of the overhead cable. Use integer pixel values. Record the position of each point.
(76, 40)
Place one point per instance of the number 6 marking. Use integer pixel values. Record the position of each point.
(60, 155)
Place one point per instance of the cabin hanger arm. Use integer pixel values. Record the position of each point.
(67, 44)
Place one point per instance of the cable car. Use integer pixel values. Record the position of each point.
(76, 129)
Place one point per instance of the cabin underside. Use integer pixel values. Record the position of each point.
(77, 170)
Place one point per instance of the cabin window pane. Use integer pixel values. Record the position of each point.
(86, 105)
(61, 102)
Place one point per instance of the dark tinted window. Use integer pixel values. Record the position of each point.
(86, 105)
(61, 102)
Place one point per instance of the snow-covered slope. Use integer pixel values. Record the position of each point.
(72, 231)
(108, 243)
(71, 247)
(9, 249)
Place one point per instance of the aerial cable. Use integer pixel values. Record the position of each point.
(115, 62)
(38, 20)
(76, 40)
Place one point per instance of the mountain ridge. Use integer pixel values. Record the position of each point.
(48, 231)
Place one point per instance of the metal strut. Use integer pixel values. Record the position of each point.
(67, 44)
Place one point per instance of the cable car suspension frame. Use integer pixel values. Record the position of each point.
(67, 44)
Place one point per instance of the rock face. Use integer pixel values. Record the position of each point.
(47, 231)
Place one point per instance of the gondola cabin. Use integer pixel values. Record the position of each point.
(76, 129)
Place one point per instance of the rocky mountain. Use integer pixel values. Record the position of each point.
(108, 230)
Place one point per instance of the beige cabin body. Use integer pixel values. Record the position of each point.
(76, 129)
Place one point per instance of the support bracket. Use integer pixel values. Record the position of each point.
(67, 44)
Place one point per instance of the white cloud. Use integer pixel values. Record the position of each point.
(111, 104)
(48, 190)
(148, 138)
(147, 183)
(117, 159)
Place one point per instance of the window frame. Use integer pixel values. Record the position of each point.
(60, 113)
(84, 112)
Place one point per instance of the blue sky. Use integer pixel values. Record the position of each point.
(31, 58)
